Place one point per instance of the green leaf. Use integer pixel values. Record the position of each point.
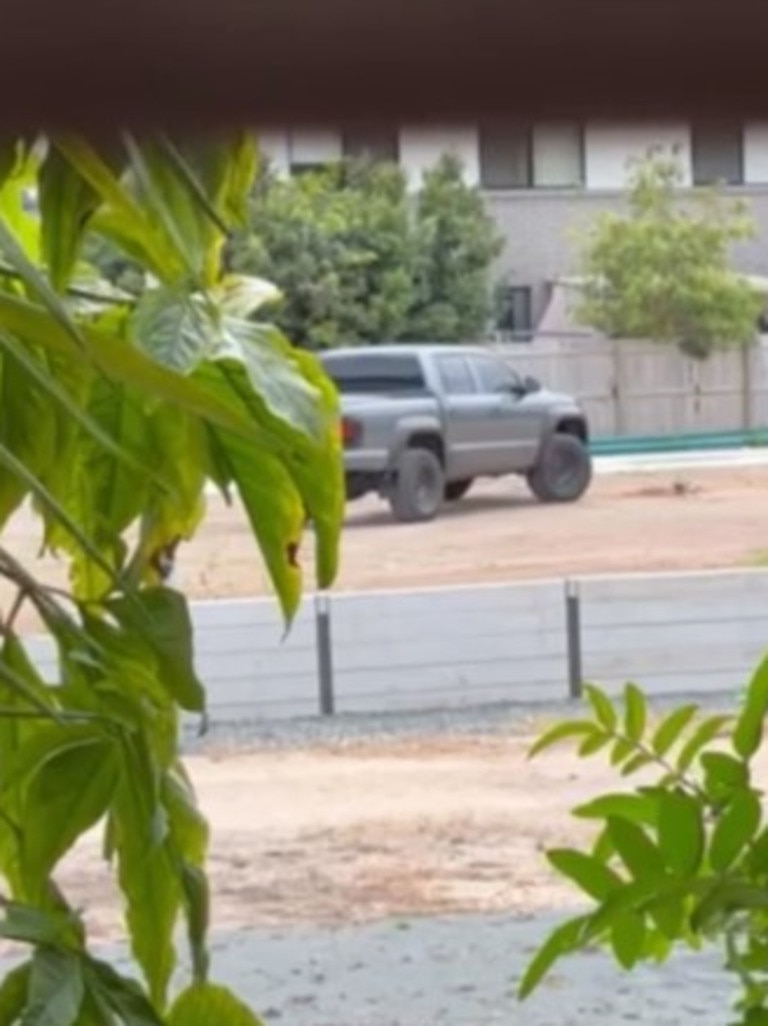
(146, 872)
(13, 994)
(637, 762)
(275, 512)
(621, 751)
(671, 727)
(723, 774)
(161, 617)
(565, 939)
(736, 826)
(636, 850)
(67, 795)
(728, 896)
(560, 732)
(748, 732)
(708, 730)
(680, 832)
(66, 202)
(56, 989)
(635, 712)
(668, 913)
(587, 872)
(602, 707)
(204, 1004)
(594, 742)
(28, 925)
(120, 995)
(636, 808)
(628, 938)
(173, 328)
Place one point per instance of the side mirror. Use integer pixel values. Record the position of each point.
(530, 384)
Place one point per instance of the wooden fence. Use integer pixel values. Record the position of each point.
(645, 388)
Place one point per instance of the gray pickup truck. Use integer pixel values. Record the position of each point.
(422, 422)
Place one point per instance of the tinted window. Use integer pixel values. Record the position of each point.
(375, 373)
(495, 375)
(455, 375)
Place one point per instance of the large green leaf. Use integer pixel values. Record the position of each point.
(121, 216)
(670, 728)
(146, 871)
(174, 328)
(13, 994)
(275, 511)
(66, 202)
(66, 796)
(737, 826)
(27, 430)
(28, 925)
(586, 871)
(119, 996)
(56, 989)
(635, 848)
(203, 1004)
(161, 617)
(681, 832)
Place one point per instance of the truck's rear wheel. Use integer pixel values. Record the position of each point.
(563, 471)
(419, 486)
(455, 490)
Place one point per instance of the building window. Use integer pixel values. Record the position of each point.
(377, 144)
(514, 312)
(520, 156)
(717, 154)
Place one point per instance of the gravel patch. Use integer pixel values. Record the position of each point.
(499, 719)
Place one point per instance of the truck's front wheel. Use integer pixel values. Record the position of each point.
(419, 486)
(563, 472)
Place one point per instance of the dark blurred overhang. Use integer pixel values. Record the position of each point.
(92, 64)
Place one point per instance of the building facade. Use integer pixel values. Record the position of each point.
(544, 183)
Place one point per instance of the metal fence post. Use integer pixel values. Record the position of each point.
(324, 653)
(573, 637)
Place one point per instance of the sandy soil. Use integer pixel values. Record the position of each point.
(407, 827)
(699, 519)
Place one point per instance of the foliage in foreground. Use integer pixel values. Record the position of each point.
(682, 859)
(116, 410)
(661, 272)
(359, 260)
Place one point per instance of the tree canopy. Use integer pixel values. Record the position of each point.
(661, 270)
(359, 260)
(117, 409)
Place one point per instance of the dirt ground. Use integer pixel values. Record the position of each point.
(697, 519)
(403, 828)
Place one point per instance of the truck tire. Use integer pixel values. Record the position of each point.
(455, 490)
(563, 471)
(419, 486)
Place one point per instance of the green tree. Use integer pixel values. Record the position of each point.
(336, 242)
(116, 410)
(661, 271)
(357, 260)
(683, 858)
(455, 244)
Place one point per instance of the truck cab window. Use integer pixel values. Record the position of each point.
(495, 375)
(455, 376)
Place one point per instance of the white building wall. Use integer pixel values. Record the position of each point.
(422, 147)
(610, 146)
(273, 148)
(756, 153)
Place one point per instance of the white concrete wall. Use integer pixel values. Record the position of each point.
(440, 648)
(273, 147)
(422, 147)
(756, 153)
(610, 146)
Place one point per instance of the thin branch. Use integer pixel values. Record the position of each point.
(75, 291)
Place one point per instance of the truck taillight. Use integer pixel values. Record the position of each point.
(351, 431)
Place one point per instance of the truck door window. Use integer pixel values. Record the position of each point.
(455, 376)
(495, 375)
